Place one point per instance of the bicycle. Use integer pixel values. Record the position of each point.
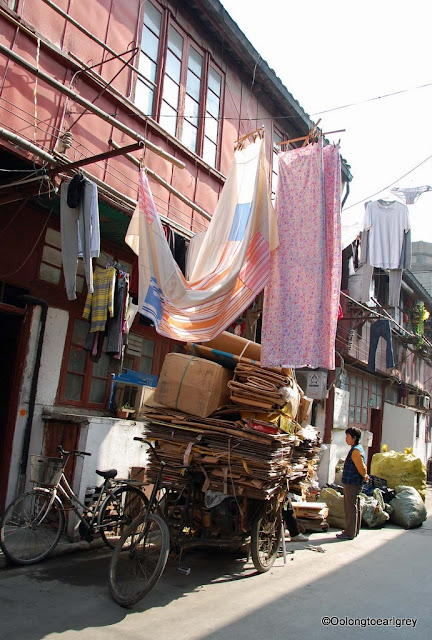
(176, 519)
(33, 524)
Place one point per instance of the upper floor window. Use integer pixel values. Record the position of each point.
(183, 87)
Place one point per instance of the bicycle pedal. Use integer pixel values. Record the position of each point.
(183, 570)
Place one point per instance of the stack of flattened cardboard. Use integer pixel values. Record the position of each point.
(311, 516)
(244, 448)
(234, 458)
(258, 387)
(304, 460)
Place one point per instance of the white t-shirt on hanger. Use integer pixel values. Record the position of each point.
(387, 223)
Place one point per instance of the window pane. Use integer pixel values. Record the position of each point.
(175, 42)
(189, 135)
(213, 103)
(351, 414)
(100, 369)
(145, 365)
(77, 360)
(358, 414)
(365, 416)
(365, 397)
(195, 61)
(97, 391)
(73, 387)
(191, 110)
(173, 67)
(168, 118)
(209, 152)
(152, 17)
(80, 331)
(211, 128)
(144, 98)
(147, 67)
(150, 44)
(193, 86)
(170, 92)
(147, 347)
(214, 81)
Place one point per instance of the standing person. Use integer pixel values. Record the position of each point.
(290, 521)
(353, 476)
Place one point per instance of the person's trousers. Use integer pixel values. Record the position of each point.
(380, 329)
(352, 509)
(395, 281)
(290, 519)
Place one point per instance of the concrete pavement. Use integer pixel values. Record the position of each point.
(383, 575)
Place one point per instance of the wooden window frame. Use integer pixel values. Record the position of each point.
(167, 21)
(162, 347)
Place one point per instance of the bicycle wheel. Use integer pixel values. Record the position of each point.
(119, 511)
(30, 528)
(265, 537)
(139, 559)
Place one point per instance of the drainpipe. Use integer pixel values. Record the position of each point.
(30, 300)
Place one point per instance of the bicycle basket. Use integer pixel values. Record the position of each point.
(46, 471)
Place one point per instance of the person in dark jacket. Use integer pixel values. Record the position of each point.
(291, 524)
(353, 476)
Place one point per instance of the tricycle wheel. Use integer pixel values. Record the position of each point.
(266, 535)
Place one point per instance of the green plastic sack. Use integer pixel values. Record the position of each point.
(400, 469)
(335, 503)
(409, 510)
(373, 511)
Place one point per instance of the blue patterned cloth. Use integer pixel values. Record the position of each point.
(350, 474)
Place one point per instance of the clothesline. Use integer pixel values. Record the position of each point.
(384, 317)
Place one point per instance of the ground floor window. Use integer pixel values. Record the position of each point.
(365, 394)
(87, 383)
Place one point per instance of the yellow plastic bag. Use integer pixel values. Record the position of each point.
(400, 469)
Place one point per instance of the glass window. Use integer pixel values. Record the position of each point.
(175, 42)
(189, 96)
(195, 62)
(149, 58)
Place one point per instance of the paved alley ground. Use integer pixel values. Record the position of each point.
(366, 588)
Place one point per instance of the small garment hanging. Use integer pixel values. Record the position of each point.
(410, 195)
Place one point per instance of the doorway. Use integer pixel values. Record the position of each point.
(376, 430)
(11, 349)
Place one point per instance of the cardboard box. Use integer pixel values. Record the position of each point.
(193, 385)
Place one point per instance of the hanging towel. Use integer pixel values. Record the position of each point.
(301, 301)
(232, 264)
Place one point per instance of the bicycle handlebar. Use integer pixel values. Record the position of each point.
(60, 450)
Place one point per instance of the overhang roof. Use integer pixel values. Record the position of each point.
(217, 21)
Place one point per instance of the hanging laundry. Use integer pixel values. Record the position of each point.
(301, 301)
(232, 264)
(386, 244)
(100, 304)
(410, 195)
(80, 235)
(380, 329)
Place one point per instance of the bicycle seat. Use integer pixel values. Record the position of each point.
(111, 473)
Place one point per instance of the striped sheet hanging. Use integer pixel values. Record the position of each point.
(231, 266)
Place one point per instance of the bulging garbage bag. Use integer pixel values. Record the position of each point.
(409, 510)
